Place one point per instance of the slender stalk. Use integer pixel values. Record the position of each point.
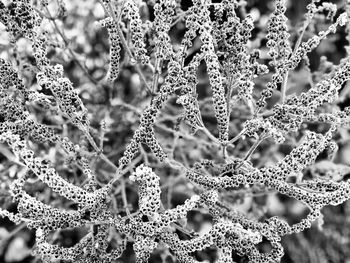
(156, 74)
(251, 151)
(124, 198)
(66, 42)
(284, 87)
(253, 148)
(237, 137)
(99, 151)
(285, 77)
(209, 134)
(179, 18)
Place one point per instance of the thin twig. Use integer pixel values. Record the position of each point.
(124, 198)
(66, 42)
(237, 137)
(179, 18)
(99, 152)
(156, 74)
(285, 77)
(209, 134)
(251, 151)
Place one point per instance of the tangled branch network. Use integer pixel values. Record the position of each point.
(175, 131)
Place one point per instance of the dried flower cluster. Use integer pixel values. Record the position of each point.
(211, 113)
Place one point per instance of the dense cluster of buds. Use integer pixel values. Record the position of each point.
(114, 48)
(149, 190)
(278, 33)
(19, 18)
(213, 68)
(67, 98)
(131, 10)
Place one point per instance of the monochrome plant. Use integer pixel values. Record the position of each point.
(178, 110)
